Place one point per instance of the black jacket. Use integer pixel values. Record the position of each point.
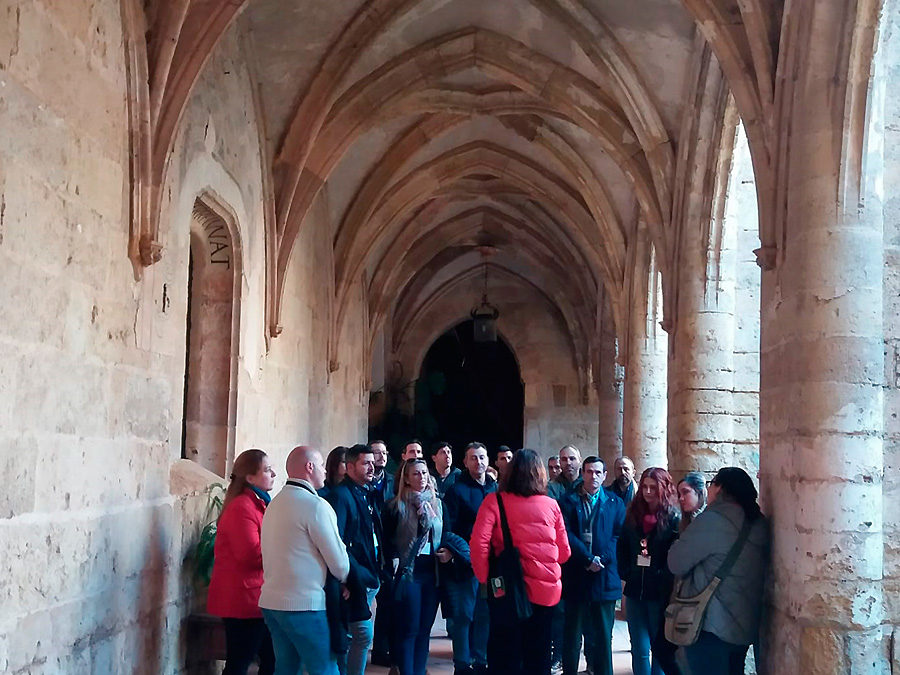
(463, 500)
(460, 565)
(384, 491)
(357, 520)
(444, 484)
(653, 582)
(578, 582)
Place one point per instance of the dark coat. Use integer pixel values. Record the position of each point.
(625, 495)
(444, 484)
(653, 582)
(460, 564)
(560, 487)
(463, 500)
(384, 491)
(604, 585)
(357, 519)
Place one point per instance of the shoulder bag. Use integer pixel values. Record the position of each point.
(507, 596)
(684, 616)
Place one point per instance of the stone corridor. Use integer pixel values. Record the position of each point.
(228, 224)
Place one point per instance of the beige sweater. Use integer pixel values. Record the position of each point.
(300, 543)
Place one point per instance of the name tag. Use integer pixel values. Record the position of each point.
(643, 561)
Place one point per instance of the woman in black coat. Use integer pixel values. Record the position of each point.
(651, 527)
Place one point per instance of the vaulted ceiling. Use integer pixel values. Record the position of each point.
(546, 130)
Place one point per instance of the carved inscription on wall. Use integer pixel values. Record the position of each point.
(218, 238)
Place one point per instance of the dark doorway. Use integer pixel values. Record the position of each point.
(470, 391)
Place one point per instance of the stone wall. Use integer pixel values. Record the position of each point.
(99, 509)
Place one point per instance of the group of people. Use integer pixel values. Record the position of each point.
(350, 557)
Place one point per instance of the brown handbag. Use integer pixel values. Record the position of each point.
(684, 616)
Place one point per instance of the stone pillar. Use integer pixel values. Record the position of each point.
(888, 76)
(701, 350)
(609, 390)
(644, 429)
(821, 378)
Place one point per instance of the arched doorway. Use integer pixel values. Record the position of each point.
(213, 321)
(470, 391)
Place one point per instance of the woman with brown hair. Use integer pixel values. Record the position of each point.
(335, 470)
(539, 534)
(651, 527)
(237, 575)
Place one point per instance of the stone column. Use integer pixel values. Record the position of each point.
(821, 376)
(888, 75)
(609, 390)
(701, 351)
(645, 420)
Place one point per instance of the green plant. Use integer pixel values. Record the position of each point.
(203, 551)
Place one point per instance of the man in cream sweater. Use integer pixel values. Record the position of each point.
(300, 544)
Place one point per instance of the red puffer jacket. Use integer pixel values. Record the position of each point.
(539, 533)
(237, 571)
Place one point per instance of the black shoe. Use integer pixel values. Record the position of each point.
(381, 659)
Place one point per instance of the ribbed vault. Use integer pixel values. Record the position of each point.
(547, 129)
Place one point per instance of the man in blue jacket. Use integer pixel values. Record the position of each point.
(469, 628)
(360, 527)
(591, 584)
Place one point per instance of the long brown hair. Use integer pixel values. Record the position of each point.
(248, 463)
(666, 510)
(526, 476)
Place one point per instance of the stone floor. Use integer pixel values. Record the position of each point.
(441, 660)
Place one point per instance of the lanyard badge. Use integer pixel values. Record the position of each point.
(643, 559)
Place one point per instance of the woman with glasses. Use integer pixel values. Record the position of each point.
(691, 498)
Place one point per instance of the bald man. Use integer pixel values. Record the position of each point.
(623, 486)
(569, 477)
(300, 544)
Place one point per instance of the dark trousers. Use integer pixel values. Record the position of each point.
(556, 632)
(415, 608)
(521, 648)
(710, 655)
(602, 616)
(244, 640)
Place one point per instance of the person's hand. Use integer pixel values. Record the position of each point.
(345, 592)
(595, 565)
(443, 555)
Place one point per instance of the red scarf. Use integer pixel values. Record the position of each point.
(649, 523)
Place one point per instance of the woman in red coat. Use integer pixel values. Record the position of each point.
(538, 532)
(237, 575)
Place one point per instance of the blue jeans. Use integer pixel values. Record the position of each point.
(297, 638)
(470, 625)
(643, 623)
(710, 655)
(361, 636)
(415, 607)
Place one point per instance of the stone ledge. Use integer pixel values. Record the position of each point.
(187, 478)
